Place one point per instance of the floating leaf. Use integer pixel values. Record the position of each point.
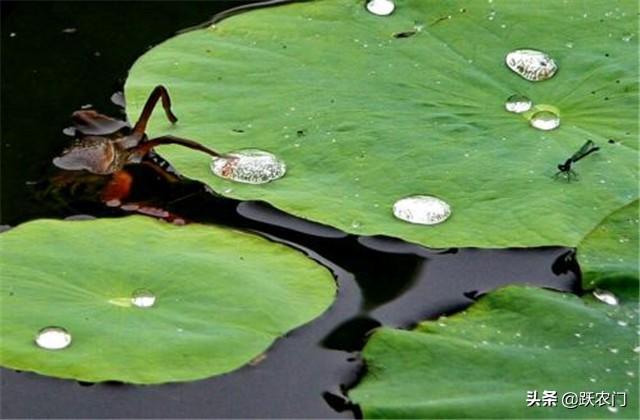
(608, 256)
(481, 363)
(363, 118)
(149, 302)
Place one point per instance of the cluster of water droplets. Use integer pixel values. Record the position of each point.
(535, 66)
(58, 338)
(249, 166)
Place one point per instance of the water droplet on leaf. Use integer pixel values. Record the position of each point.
(422, 210)
(249, 166)
(53, 338)
(605, 296)
(532, 65)
(381, 7)
(143, 298)
(545, 120)
(518, 103)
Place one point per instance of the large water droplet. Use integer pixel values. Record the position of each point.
(545, 120)
(422, 210)
(143, 298)
(381, 7)
(605, 296)
(518, 103)
(53, 338)
(250, 166)
(532, 65)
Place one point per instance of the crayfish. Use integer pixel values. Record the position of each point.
(106, 145)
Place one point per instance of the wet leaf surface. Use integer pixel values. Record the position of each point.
(149, 302)
(608, 256)
(362, 118)
(482, 362)
(538, 339)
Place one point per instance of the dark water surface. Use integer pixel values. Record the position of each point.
(47, 73)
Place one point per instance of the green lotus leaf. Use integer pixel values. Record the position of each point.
(222, 298)
(482, 362)
(608, 256)
(363, 118)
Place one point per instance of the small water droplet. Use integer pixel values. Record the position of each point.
(631, 373)
(143, 298)
(627, 37)
(518, 103)
(613, 350)
(53, 338)
(249, 166)
(578, 335)
(548, 347)
(532, 65)
(592, 380)
(622, 323)
(605, 296)
(637, 349)
(381, 7)
(545, 120)
(569, 44)
(422, 210)
(355, 224)
(612, 409)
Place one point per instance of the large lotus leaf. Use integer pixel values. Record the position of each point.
(363, 118)
(482, 362)
(608, 256)
(223, 297)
